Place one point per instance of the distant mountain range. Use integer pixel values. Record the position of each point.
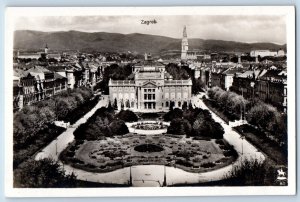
(114, 42)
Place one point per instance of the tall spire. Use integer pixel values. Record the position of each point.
(184, 45)
(184, 31)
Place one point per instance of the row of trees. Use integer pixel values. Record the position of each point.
(103, 123)
(193, 122)
(233, 104)
(37, 117)
(124, 104)
(264, 116)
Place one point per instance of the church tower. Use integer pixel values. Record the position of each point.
(184, 45)
(46, 49)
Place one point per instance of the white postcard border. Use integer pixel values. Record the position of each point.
(12, 12)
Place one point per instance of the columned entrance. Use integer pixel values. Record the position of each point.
(149, 98)
(149, 105)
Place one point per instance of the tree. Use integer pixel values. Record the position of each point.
(122, 104)
(248, 173)
(184, 105)
(263, 116)
(176, 127)
(127, 116)
(172, 104)
(205, 126)
(174, 114)
(190, 105)
(44, 173)
(109, 107)
(197, 86)
(177, 72)
(127, 104)
(115, 104)
(118, 127)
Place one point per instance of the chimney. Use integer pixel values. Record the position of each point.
(256, 59)
(146, 56)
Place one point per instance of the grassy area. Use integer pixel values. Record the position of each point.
(260, 141)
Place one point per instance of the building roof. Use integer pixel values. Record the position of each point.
(19, 73)
(232, 71)
(219, 69)
(250, 74)
(38, 72)
(178, 82)
(121, 82)
(274, 74)
(56, 68)
(149, 63)
(38, 69)
(58, 76)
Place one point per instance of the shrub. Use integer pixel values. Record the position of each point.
(173, 114)
(208, 165)
(44, 173)
(220, 142)
(184, 163)
(127, 116)
(249, 173)
(179, 127)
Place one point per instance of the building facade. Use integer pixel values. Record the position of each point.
(151, 90)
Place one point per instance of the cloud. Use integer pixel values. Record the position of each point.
(244, 28)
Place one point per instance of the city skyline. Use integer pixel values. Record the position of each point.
(247, 29)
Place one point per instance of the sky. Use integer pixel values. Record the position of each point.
(242, 28)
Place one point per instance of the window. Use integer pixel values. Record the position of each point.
(149, 94)
(167, 104)
(179, 104)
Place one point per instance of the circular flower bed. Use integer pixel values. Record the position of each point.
(148, 148)
(150, 126)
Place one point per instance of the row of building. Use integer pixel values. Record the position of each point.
(268, 84)
(41, 82)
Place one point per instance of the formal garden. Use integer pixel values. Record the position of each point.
(193, 142)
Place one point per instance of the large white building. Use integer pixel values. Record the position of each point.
(264, 53)
(152, 89)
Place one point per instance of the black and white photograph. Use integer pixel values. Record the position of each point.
(150, 101)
